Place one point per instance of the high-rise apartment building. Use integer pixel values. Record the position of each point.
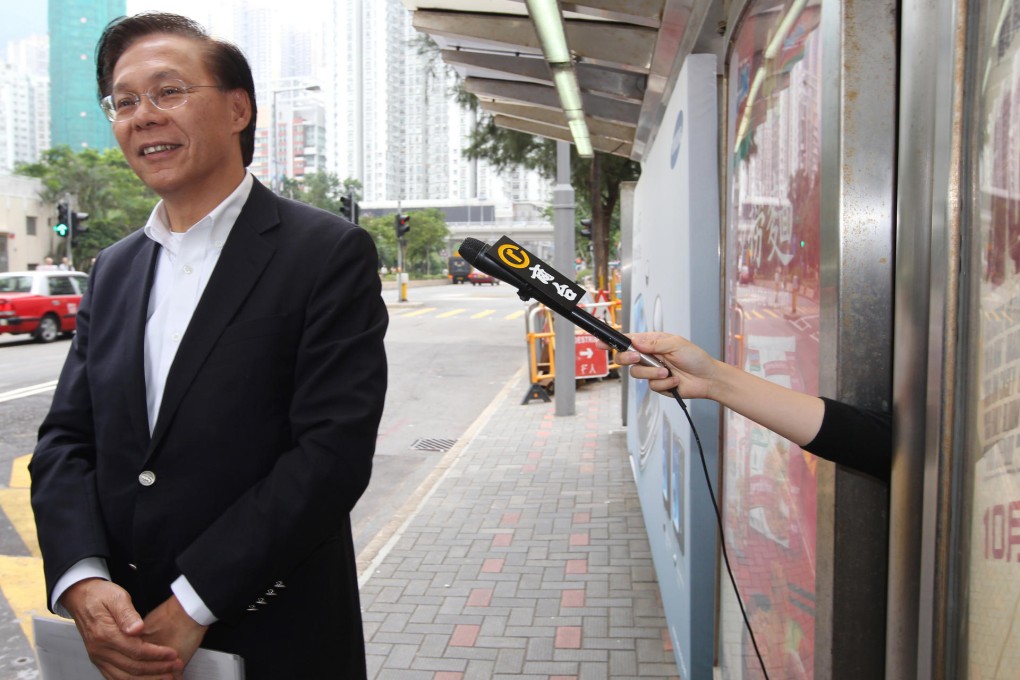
(30, 55)
(24, 102)
(394, 123)
(296, 144)
(386, 106)
(75, 27)
(282, 46)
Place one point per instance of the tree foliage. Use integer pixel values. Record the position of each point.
(321, 189)
(103, 185)
(599, 177)
(426, 241)
(385, 237)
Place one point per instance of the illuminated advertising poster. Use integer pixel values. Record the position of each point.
(772, 302)
(991, 590)
(677, 192)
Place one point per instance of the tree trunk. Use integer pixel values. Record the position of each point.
(599, 228)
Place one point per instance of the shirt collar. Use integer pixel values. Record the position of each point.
(215, 226)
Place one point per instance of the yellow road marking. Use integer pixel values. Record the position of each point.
(19, 472)
(424, 310)
(22, 586)
(515, 315)
(16, 505)
(482, 315)
(452, 312)
(22, 581)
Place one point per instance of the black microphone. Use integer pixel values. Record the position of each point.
(533, 278)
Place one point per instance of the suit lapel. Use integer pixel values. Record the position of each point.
(244, 257)
(142, 269)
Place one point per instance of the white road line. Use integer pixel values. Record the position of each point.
(28, 391)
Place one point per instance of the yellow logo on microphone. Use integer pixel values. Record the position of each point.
(513, 255)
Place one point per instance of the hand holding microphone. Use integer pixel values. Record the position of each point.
(687, 366)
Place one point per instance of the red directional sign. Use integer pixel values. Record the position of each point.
(589, 360)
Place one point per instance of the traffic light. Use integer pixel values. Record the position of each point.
(347, 206)
(77, 226)
(586, 228)
(402, 223)
(62, 227)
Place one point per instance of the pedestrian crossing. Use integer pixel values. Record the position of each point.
(807, 309)
(765, 313)
(458, 312)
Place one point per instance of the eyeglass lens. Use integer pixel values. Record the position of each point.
(169, 94)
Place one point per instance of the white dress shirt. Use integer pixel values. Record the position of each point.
(186, 261)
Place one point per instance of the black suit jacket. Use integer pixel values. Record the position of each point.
(262, 446)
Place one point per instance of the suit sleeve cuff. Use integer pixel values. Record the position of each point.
(90, 567)
(191, 602)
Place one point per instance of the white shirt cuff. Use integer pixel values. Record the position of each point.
(191, 602)
(90, 567)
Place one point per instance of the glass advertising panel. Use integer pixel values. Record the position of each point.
(990, 595)
(772, 298)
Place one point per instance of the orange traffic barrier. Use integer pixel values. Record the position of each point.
(541, 338)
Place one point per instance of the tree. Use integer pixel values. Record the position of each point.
(505, 149)
(103, 185)
(385, 237)
(598, 177)
(321, 189)
(426, 241)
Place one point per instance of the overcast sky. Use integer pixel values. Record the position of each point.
(22, 18)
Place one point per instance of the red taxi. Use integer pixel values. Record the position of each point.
(43, 303)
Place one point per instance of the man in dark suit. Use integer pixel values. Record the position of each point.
(216, 417)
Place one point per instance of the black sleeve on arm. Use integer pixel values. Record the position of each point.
(857, 438)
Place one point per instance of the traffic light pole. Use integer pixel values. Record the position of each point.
(401, 274)
(71, 208)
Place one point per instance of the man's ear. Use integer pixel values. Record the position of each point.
(240, 106)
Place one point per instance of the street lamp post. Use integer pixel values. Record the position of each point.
(274, 175)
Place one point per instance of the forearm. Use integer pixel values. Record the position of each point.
(791, 414)
(170, 626)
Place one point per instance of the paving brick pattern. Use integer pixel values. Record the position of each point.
(528, 560)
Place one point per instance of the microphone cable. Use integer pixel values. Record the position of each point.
(722, 535)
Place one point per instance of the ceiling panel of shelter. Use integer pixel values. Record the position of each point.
(625, 54)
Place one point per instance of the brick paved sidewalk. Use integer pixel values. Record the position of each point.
(528, 558)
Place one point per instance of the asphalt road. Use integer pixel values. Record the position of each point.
(450, 350)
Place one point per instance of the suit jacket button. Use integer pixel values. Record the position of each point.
(147, 478)
(133, 567)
